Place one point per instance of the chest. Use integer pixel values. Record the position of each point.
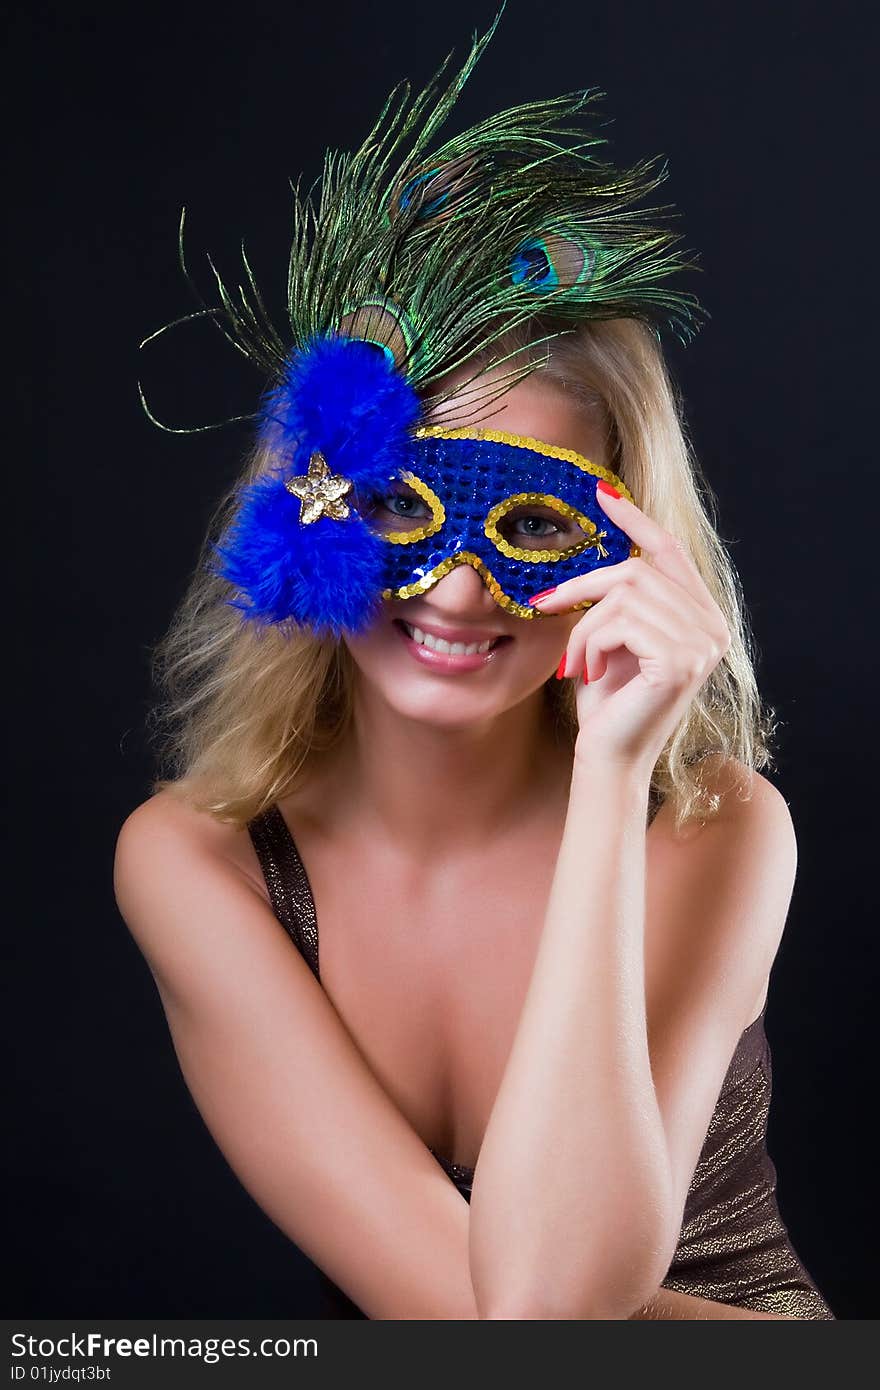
(429, 971)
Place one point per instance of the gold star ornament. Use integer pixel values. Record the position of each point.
(320, 491)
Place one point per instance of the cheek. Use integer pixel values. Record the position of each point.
(552, 633)
(366, 647)
(379, 653)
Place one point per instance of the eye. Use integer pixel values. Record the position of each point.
(530, 524)
(393, 509)
(540, 528)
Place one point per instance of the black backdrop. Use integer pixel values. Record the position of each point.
(121, 1204)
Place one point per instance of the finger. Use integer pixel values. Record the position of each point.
(667, 552)
(634, 572)
(662, 659)
(675, 618)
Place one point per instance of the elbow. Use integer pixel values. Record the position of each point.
(612, 1289)
(604, 1301)
(544, 1312)
(603, 1305)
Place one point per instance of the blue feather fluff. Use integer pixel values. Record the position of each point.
(325, 576)
(344, 397)
(341, 397)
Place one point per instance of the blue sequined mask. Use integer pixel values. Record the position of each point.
(364, 502)
(523, 513)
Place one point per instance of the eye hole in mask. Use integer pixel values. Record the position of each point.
(521, 526)
(535, 525)
(404, 512)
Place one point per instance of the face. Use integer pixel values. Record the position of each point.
(455, 689)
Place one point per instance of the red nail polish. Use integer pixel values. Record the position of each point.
(586, 673)
(542, 594)
(606, 487)
(561, 669)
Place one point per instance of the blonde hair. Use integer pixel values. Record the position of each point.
(245, 708)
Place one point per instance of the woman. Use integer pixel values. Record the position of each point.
(530, 1078)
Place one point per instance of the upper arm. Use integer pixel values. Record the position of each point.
(716, 906)
(281, 1085)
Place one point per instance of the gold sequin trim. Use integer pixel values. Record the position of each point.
(467, 557)
(545, 499)
(430, 528)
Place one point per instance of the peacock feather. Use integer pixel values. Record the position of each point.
(429, 255)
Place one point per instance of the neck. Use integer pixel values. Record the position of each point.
(430, 790)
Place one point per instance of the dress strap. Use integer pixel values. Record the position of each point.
(287, 881)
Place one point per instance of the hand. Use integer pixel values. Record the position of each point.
(650, 642)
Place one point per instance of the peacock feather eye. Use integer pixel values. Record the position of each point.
(551, 262)
(382, 325)
(428, 206)
(433, 192)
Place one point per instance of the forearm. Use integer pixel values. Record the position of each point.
(569, 1209)
(670, 1305)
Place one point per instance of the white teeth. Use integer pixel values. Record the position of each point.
(437, 644)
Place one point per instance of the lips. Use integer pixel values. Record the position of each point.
(456, 635)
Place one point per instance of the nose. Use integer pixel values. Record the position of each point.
(462, 590)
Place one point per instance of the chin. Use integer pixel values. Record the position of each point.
(445, 716)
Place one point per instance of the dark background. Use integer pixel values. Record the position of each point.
(121, 1203)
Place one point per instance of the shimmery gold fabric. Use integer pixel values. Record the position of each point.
(734, 1247)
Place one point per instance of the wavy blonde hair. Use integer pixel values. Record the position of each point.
(244, 708)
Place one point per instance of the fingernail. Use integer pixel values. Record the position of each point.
(586, 673)
(602, 486)
(542, 594)
(561, 669)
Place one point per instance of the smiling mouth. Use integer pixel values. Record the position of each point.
(438, 644)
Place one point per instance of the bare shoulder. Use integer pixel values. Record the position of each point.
(167, 830)
(735, 782)
(168, 815)
(723, 887)
(745, 799)
(186, 884)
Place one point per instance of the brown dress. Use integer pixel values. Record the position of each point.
(734, 1247)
